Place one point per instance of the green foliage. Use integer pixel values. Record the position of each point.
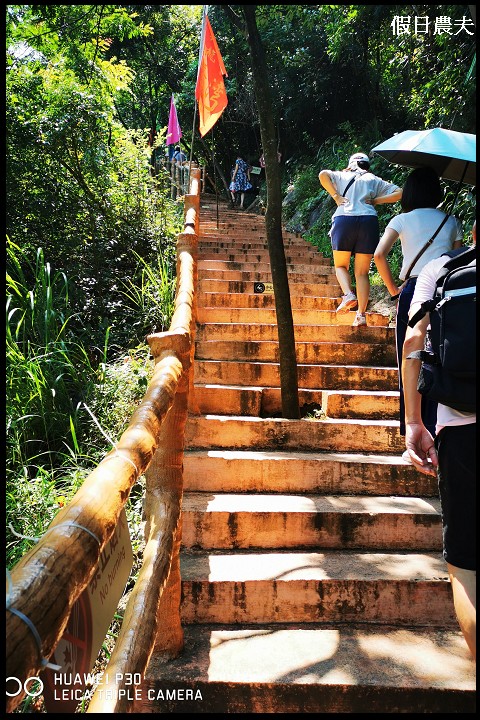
(152, 294)
(47, 368)
(47, 371)
(82, 204)
(122, 385)
(78, 182)
(53, 379)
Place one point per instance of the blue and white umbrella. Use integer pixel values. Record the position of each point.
(452, 154)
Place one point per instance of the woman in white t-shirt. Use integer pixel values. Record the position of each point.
(422, 193)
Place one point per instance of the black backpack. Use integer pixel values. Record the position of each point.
(448, 371)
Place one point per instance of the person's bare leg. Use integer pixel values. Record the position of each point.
(242, 197)
(341, 260)
(464, 588)
(362, 267)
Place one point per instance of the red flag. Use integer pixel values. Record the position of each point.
(210, 89)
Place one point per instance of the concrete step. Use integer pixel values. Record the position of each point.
(248, 258)
(331, 473)
(265, 300)
(357, 353)
(315, 669)
(300, 316)
(278, 521)
(265, 267)
(303, 333)
(224, 243)
(267, 402)
(323, 274)
(316, 290)
(303, 587)
(324, 377)
(246, 433)
(361, 404)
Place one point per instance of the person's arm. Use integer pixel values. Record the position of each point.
(383, 248)
(327, 183)
(418, 440)
(392, 197)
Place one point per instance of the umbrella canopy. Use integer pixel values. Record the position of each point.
(448, 152)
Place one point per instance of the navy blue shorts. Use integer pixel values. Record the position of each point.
(355, 233)
(456, 447)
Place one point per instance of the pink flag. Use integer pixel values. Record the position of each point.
(174, 132)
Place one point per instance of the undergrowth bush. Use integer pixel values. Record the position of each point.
(66, 401)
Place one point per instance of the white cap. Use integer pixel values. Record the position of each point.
(356, 158)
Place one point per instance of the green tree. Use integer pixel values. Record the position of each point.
(78, 182)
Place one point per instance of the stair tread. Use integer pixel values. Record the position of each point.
(307, 503)
(353, 366)
(333, 655)
(312, 456)
(354, 393)
(217, 566)
(245, 419)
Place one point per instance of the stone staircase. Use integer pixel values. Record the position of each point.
(312, 574)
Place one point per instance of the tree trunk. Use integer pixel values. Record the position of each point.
(273, 220)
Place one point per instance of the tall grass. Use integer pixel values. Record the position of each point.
(48, 372)
(152, 293)
(52, 378)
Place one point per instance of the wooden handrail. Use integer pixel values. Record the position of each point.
(49, 579)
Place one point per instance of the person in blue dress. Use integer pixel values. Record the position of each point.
(240, 180)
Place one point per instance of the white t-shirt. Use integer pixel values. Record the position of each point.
(415, 228)
(366, 185)
(425, 290)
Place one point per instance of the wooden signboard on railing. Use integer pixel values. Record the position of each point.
(89, 621)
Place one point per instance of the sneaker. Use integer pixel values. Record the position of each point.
(349, 302)
(359, 320)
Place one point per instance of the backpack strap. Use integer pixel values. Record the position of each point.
(350, 183)
(425, 307)
(465, 256)
(423, 355)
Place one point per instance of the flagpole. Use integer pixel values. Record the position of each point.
(202, 34)
(191, 147)
(214, 172)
